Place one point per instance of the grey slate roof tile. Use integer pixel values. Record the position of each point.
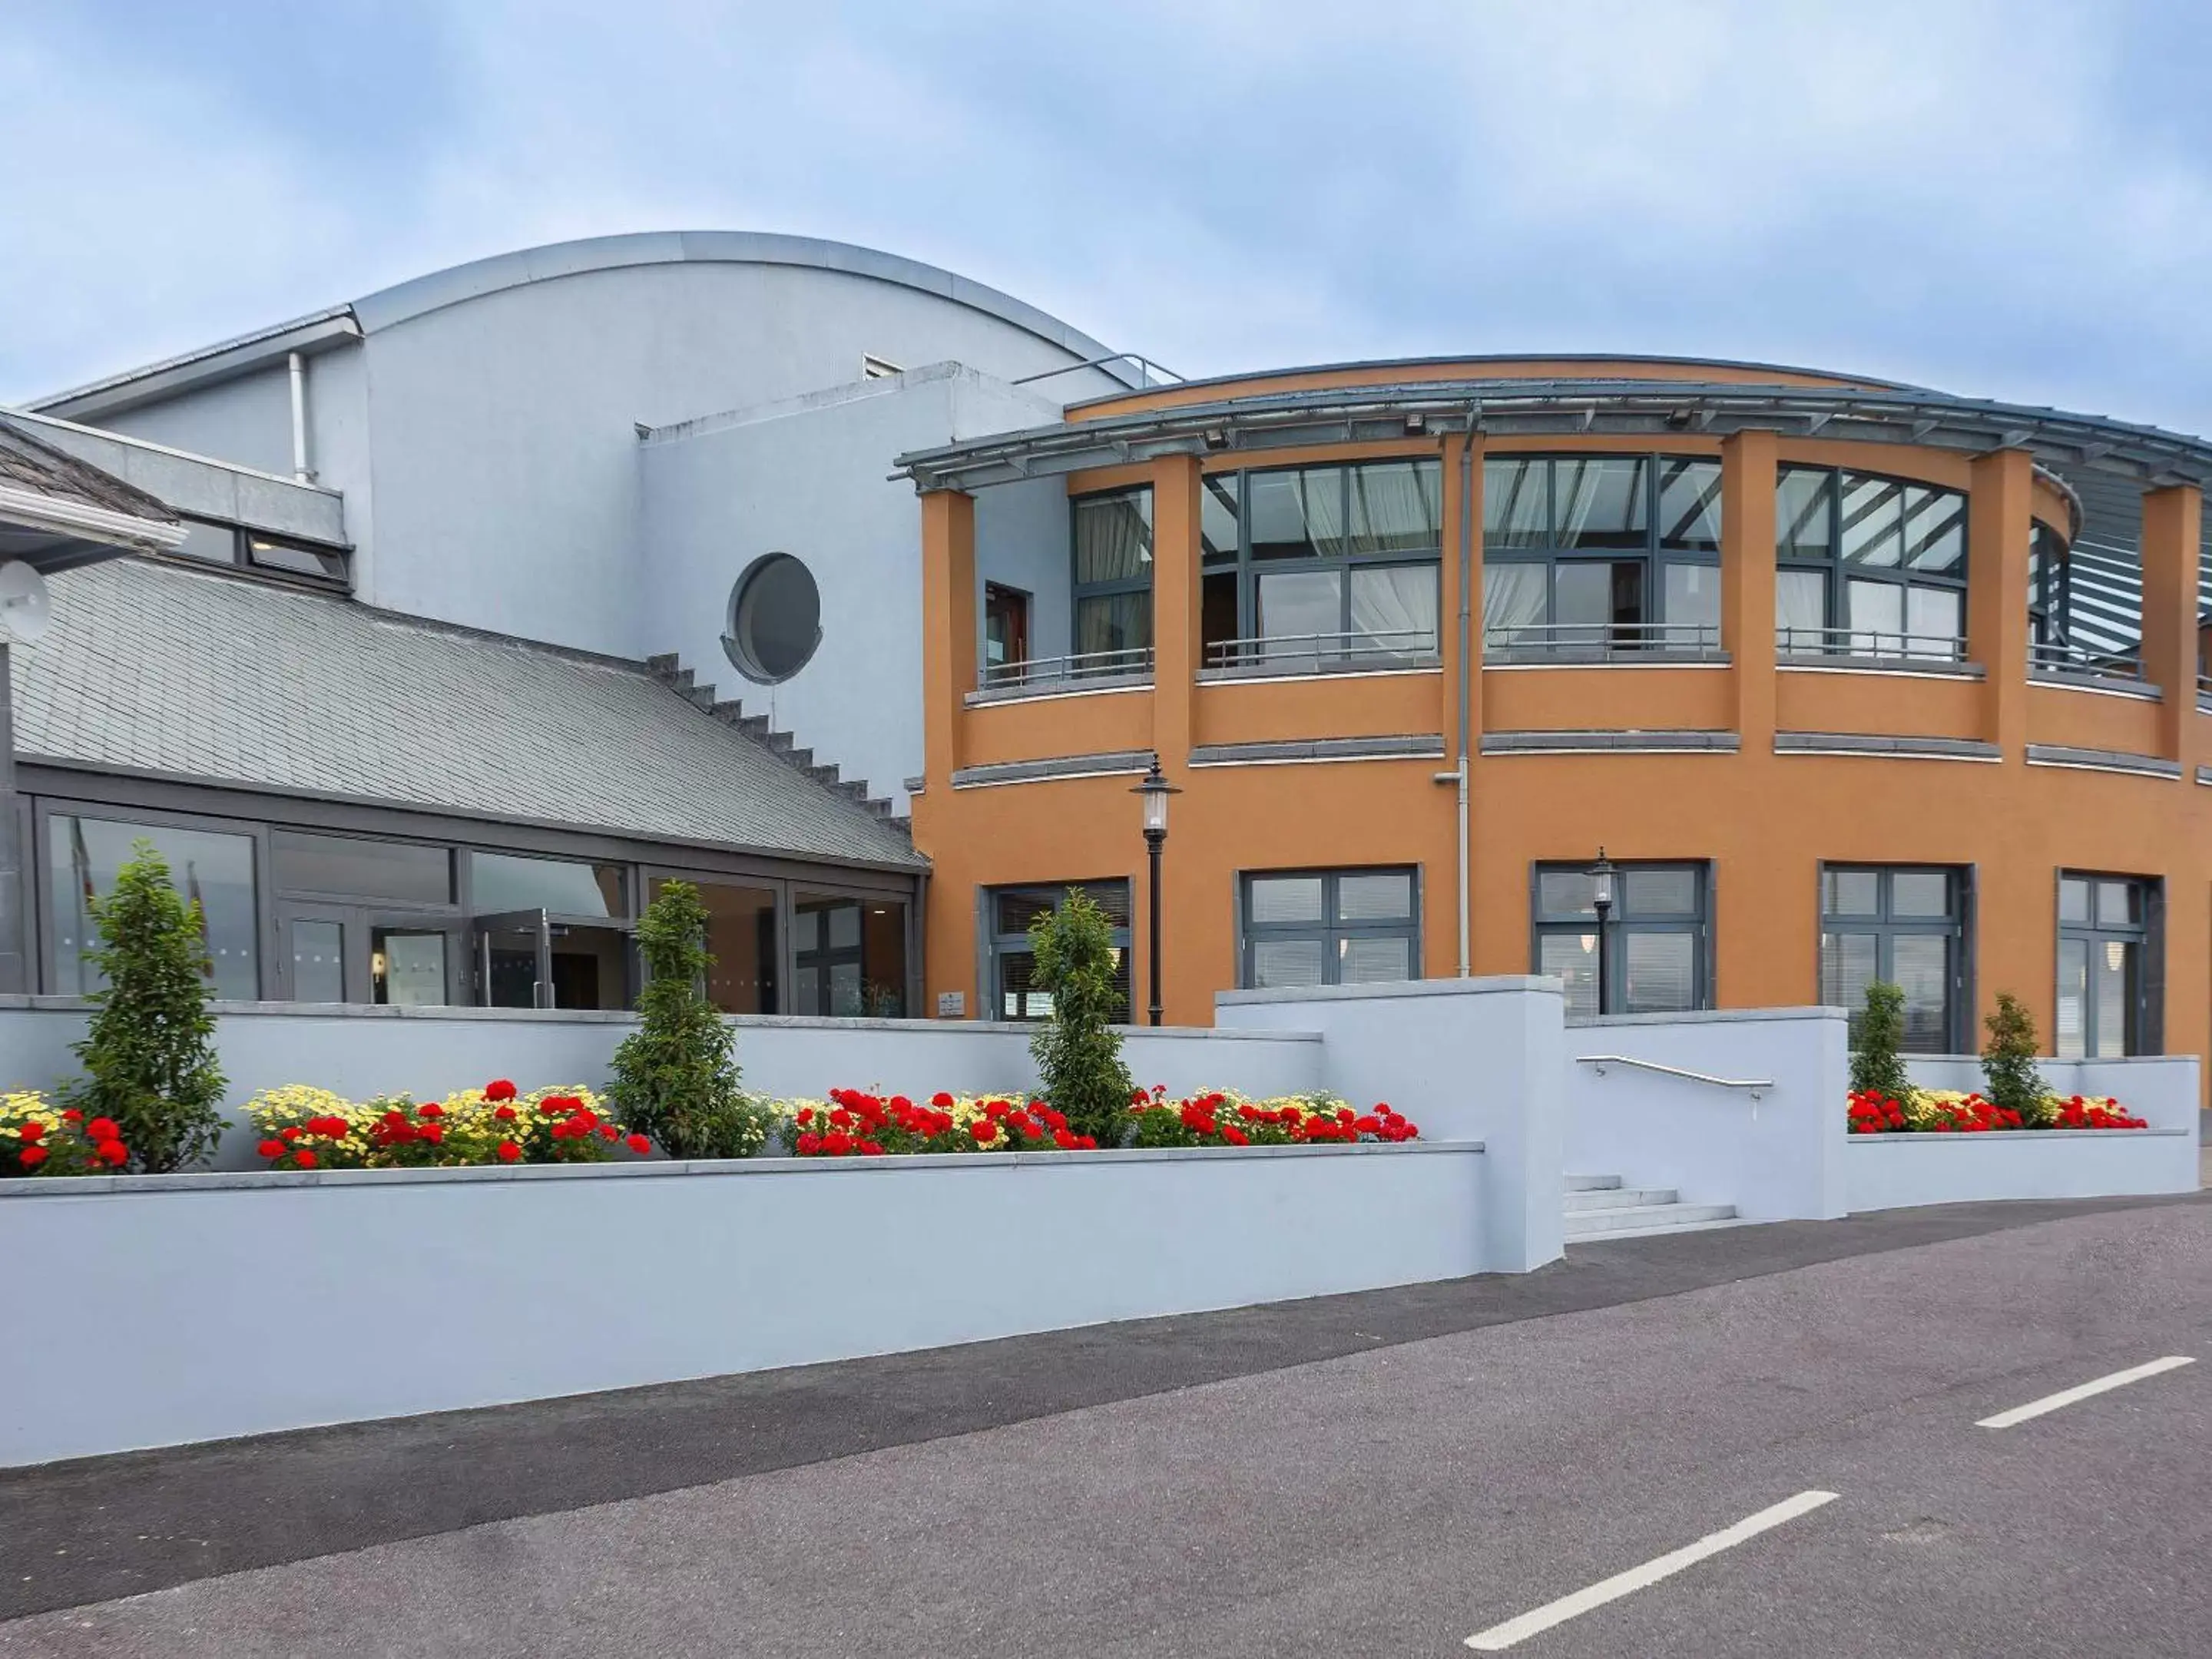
(156, 667)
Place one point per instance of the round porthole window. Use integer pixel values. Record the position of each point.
(775, 619)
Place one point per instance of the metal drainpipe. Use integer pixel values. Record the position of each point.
(1458, 775)
(299, 420)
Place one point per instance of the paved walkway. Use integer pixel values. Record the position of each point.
(1390, 1473)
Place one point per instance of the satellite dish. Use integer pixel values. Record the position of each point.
(25, 608)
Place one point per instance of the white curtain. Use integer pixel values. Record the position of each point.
(1395, 608)
(1513, 599)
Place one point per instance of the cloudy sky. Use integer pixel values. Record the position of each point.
(2003, 198)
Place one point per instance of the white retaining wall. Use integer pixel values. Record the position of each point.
(1888, 1172)
(361, 1051)
(196, 1307)
(1473, 1058)
(1778, 1156)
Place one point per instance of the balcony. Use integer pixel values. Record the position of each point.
(1367, 651)
(1873, 650)
(1130, 669)
(2119, 671)
(1562, 644)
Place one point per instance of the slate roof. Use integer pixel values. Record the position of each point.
(30, 463)
(153, 667)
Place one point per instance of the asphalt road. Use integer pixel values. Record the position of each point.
(1386, 1474)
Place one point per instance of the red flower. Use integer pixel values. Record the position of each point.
(940, 1099)
(1236, 1137)
(304, 1157)
(432, 1132)
(504, 1114)
(272, 1149)
(72, 1115)
(31, 1132)
(809, 1145)
(870, 1149)
(499, 1089)
(112, 1152)
(508, 1151)
(639, 1145)
(429, 1108)
(290, 1132)
(31, 1157)
(836, 1143)
(982, 1129)
(103, 1128)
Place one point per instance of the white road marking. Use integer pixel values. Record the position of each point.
(1500, 1636)
(2051, 1402)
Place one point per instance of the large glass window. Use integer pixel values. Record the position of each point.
(1113, 577)
(1008, 912)
(1657, 943)
(354, 866)
(209, 866)
(1591, 555)
(741, 940)
(1330, 928)
(848, 956)
(1321, 565)
(1907, 927)
(1868, 566)
(500, 882)
(2104, 927)
(2050, 570)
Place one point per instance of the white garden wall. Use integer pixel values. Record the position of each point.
(196, 1307)
(1776, 1153)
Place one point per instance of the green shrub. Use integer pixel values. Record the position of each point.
(2008, 1062)
(1078, 1052)
(1876, 1064)
(149, 1054)
(676, 1077)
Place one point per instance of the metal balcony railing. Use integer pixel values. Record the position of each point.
(1603, 641)
(1069, 672)
(1873, 643)
(1298, 652)
(2058, 659)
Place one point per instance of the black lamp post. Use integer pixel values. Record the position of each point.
(1156, 789)
(1602, 875)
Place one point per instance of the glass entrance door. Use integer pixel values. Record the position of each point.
(316, 948)
(513, 960)
(344, 953)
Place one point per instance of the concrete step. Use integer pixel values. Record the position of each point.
(1588, 1184)
(1668, 1218)
(1621, 1198)
(1616, 1234)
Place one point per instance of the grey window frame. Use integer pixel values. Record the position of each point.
(1332, 930)
(1079, 590)
(1839, 573)
(1958, 925)
(1247, 570)
(242, 560)
(2145, 1015)
(1620, 923)
(2050, 586)
(998, 946)
(1654, 557)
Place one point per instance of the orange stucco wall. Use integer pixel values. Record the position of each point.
(1764, 819)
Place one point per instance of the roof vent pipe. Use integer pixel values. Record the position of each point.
(301, 471)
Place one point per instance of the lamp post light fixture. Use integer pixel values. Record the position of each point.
(1155, 790)
(1602, 879)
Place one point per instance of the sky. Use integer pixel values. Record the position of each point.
(2004, 198)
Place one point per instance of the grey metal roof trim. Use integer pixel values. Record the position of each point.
(239, 354)
(1566, 408)
(1656, 359)
(152, 668)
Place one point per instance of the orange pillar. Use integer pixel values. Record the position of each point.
(1999, 525)
(948, 629)
(2172, 521)
(1747, 470)
(1191, 892)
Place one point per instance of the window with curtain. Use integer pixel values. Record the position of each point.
(1658, 943)
(1589, 555)
(1320, 565)
(1113, 536)
(2104, 931)
(1905, 926)
(1330, 928)
(1869, 567)
(1008, 912)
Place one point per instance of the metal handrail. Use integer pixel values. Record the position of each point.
(1754, 1086)
(2056, 656)
(1030, 671)
(1605, 638)
(1869, 642)
(1392, 642)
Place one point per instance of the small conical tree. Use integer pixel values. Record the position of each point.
(1877, 1065)
(149, 1054)
(676, 1077)
(1078, 1052)
(2009, 1061)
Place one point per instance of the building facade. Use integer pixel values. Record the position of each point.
(1849, 680)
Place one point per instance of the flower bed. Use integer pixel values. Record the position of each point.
(303, 1127)
(40, 1138)
(1946, 1111)
(853, 1123)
